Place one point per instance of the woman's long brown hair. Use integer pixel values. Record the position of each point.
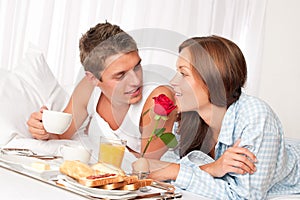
(222, 66)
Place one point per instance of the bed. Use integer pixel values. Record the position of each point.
(24, 90)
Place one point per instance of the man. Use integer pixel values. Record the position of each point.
(111, 95)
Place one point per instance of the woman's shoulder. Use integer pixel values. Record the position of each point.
(253, 117)
(251, 111)
(252, 105)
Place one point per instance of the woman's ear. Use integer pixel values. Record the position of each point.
(91, 78)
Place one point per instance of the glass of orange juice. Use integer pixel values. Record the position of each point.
(111, 151)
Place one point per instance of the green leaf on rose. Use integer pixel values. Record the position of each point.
(158, 132)
(169, 139)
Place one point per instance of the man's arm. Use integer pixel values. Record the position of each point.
(77, 106)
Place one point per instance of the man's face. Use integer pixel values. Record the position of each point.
(122, 79)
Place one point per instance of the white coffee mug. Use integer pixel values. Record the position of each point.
(75, 152)
(55, 121)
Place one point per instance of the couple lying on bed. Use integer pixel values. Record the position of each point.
(231, 144)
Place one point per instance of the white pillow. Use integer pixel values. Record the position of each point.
(23, 91)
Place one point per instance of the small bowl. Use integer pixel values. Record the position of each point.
(56, 122)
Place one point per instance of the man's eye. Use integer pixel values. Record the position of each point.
(120, 76)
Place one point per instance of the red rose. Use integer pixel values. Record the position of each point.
(163, 105)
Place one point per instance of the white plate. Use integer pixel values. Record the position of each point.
(97, 191)
(73, 188)
(26, 162)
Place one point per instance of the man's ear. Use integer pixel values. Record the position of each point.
(91, 78)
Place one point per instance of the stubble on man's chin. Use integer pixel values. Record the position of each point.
(135, 100)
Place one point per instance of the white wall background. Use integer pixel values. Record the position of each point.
(55, 26)
(280, 75)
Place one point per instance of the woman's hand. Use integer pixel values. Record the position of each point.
(36, 127)
(235, 159)
(159, 170)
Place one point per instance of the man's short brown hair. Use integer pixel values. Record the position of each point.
(100, 42)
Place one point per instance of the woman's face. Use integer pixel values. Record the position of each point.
(191, 93)
(122, 79)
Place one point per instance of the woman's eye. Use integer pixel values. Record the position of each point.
(138, 67)
(182, 73)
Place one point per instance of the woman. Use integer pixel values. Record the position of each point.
(112, 96)
(221, 120)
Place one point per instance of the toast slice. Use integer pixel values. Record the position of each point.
(136, 185)
(76, 169)
(102, 167)
(102, 175)
(131, 179)
(126, 180)
(99, 180)
(113, 186)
